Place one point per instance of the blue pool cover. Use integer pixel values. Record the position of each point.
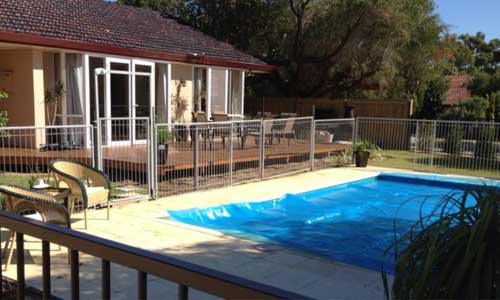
(351, 223)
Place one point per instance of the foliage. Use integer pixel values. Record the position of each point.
(480, 59)
(453, 252)
(364, 145)
(323, 47)
(475, 109)
(454, 139)
(486, 142)
(433, 99)
(4, 116)
(164, 136)
(52, 99)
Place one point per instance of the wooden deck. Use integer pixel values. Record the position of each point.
(180, 155)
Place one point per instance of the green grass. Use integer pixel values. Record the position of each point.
(442, 163)
(16, 179)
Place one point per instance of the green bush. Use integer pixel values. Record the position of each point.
(454, 140)
(486, 146)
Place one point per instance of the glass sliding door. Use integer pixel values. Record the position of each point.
(129, 99)
(218, 88)
(200, 90)
(235, 92)
(118, 101)
(143, 99)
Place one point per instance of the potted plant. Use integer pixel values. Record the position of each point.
(362, 150)
(164, 139)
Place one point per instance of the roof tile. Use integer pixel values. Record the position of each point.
(105, 23)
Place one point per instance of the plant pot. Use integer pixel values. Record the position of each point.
(361, 158)
(162, 154)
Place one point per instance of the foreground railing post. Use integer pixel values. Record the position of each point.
(46, 270)
(313, 144)
(142, 282)
(20, 265)
(105, 280)
(75, 275)
(182, 292)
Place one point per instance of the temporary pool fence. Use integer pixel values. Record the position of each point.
(464, 148)
(144, 159)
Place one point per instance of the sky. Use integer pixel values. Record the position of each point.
(471, 16)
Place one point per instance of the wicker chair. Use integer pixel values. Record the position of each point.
(22, 201)
(73, 174)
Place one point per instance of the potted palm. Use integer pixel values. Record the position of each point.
(362, 150)
(164, 139)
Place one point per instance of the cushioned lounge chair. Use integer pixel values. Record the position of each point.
(87, 185)
(33, 204)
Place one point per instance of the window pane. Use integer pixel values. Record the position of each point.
(218, 91)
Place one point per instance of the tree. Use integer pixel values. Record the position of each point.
(322, 47)
(433, 99)
(476, 109)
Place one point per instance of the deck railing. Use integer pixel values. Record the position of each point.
(184, 274)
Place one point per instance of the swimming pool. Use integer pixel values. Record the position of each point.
(352, 223)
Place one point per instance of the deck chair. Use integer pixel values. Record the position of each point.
(268, 132)
(222, 132)
(203, 130)
(87, 184)
(287, 131)
(21, 201)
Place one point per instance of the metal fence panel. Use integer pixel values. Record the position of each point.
(451, 147)
(25, 152)
(125, 156)
(333, 141)
(287, 145)
(246, 150)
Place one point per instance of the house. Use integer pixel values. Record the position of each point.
(151, 61)
(458, 90)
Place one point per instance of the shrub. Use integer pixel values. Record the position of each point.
(452, 253)
(454, 140)
(486, 146)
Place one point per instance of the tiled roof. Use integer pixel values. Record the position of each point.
(96, 22)
(458, 89)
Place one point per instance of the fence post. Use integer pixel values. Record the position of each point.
(355, 136)
(417, 138)
(98, 145)
(433, 144)
(262, 145)
(313, 143)
(195, 158)
(231, 154)
(152, 151)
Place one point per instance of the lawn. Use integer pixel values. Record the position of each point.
(442, 163)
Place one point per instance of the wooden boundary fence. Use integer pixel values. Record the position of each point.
(330, 108)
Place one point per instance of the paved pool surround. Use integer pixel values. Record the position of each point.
(146, 225)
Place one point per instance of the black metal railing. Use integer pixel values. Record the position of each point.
(184, 274)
